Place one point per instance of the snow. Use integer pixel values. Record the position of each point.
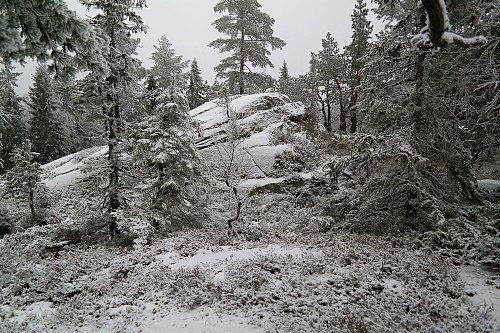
(66, 170)
(483, 288)
(38, 310)
(201, 320)
(212, 117)
(250, 184)
(264, 156)
(208, 258)
(393, 286)
(489, 185)
(261, 138)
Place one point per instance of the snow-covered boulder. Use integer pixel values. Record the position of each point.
(68, 170)
(257, 116)
(489, 185)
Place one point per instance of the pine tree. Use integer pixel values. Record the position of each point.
(250, 35)
(356, 52)
(327, 73)
(197, 87)
(24, 179)
(48, 30)
(425, 105)
(45, 131)
(12, 130)
(118, 21)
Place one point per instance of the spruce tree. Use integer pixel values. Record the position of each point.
(197, 88)
(164, 143)
(12, 129)
(429, 116)
(24, 178)
(284, 79)
(118, 20)
(250, 34)
(166, 65)
(45, 130)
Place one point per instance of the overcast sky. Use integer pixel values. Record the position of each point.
(187, 24)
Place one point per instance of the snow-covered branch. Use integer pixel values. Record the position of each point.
(436, 32)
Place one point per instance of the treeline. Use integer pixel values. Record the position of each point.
(423, 111)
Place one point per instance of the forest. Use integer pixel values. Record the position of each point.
(361, 196)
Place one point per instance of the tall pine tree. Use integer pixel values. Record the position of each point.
(250, 35)
(167, 64)
(328, 70)
(356, 51)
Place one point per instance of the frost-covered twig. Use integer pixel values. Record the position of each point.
(436, 31)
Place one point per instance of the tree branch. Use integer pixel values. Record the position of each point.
(436, 31)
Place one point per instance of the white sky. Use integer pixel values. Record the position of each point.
(187, 24)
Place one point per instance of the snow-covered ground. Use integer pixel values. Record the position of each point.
(187, 283)
(483, 287)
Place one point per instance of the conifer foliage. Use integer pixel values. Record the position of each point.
(197, 89)
(12, 129)
(48, 30)
(167, 65)
(328, 76)
(118, 20)
(44, 128)
(164, 143)
(24, 178)
(250, 34)
(357, 51)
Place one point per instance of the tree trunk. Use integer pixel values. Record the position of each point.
(329, 117)
(343, 117)
(32, 204)
(230, 221)
(418, 116)
(353, 100)
(242, 63)
(323, 112)
(354, 121)
(114, 128)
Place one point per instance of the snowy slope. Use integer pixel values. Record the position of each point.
(257, 115)
(67, 170)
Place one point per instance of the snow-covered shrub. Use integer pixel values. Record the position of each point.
(289, 161)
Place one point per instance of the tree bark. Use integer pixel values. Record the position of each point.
(238, 211)
(354, 121)
(242, 61)
(114, 128)
(437, 20)
(343, 117)
(419, 83)
(32, 204)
